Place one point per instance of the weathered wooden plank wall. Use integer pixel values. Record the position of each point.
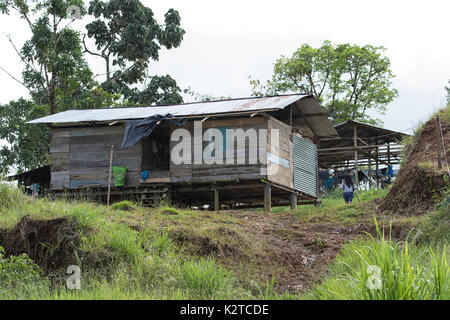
(80, 156)
(59, 159)
(222, 172)
(280, 160)
(89, 156)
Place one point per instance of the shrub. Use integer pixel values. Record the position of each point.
(125, 205)
(20, 277)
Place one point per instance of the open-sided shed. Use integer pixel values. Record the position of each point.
(361, 144)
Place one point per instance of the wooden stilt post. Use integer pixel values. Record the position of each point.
(438, 137)
(376, 166)
(293, 201)
(267, 198)
(109, 176)
(389, 153)
(216, 200)
(369, 172)
(355, 142)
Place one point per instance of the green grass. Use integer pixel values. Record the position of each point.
(335, 209)
(128, 254)
(116, 261)
(381, 269)
(205, 279)
(123, 205)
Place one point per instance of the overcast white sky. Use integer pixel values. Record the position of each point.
(228, 41)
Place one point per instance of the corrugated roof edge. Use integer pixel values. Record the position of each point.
(50, 119)
(305, 95)
(370, 126)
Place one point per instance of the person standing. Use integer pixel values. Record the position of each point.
(349, 188)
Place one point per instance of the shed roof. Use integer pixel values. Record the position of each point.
(367, 135)
(306, 105)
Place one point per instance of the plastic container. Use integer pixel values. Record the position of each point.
(119, 176)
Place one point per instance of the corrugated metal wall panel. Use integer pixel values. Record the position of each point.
(305, 166)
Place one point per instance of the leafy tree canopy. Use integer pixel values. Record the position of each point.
(58, 77)
(127, 38)
(348, 80)
(27, 145)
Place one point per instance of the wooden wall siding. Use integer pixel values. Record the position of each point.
(59, 159)
(89, 156)
(221, 172)
(277, 173)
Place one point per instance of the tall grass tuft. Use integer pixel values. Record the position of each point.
(205, 279)
(380, 269)
(10, 196)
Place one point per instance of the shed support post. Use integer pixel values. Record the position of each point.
(376, 167)
(109, 175)
(355, 142)
(389, 153)
(267, 198)
(369, 171)
(216, 200)
(293, 201)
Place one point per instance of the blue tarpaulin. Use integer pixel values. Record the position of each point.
(136, 130)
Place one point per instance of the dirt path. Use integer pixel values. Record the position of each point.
(261, 246)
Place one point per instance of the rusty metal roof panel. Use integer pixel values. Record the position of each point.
(321, 126)
(182, 110)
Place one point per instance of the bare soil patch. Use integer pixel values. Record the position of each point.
(259, 246)
(50, 243)
(417, 186)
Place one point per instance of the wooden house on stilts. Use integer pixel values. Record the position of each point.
(282, 131)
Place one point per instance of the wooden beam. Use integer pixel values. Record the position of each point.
(312, 115)
(389, 153)
(267, 198)
(355, 141)
(293, 201)
(363, 141)
(373, 146)
(216, 200)
(109, 175)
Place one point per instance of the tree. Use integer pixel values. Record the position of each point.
(348, 80)
(53, 56)
(27, 146)
(56, 76)
(127, 38)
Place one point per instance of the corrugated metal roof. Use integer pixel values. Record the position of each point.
(188, 109)
(315, 116)
(305, 105)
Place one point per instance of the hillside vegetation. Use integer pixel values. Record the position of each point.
(363, 250)
(129, 252)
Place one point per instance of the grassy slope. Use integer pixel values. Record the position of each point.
(129, 252)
